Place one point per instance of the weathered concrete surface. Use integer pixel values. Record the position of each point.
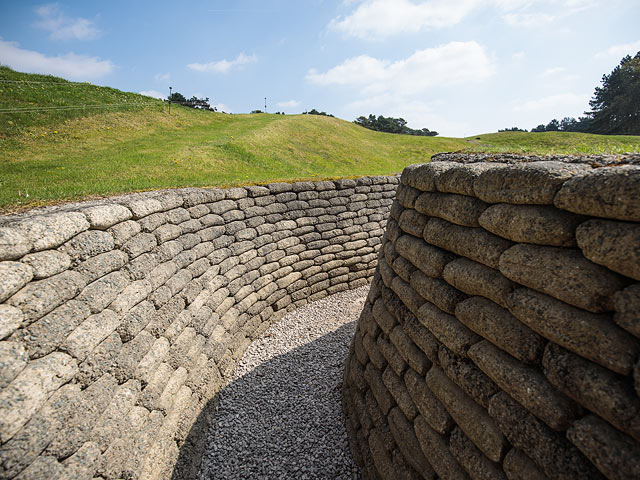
(521, 301)
(120, 320)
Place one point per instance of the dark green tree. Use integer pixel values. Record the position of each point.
(512, 129)
(568, 124)
(200, 103)
(553, 126)
(177, 97)
(313, 111)
(391, 125)
(615, 106)
(193, 102)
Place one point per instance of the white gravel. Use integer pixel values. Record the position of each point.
(281, 416)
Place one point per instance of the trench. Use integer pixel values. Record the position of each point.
(280, 415)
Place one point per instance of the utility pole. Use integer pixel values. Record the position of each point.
(265, 104)
(170, 100)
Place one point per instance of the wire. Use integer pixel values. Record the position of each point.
(71, 107)
(77, 107)
(2, 80)
(80, 107)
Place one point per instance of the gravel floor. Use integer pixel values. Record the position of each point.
(281, 415)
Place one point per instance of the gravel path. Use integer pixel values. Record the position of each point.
(281, 415)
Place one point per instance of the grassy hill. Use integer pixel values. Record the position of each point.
(571, 143)
(127, 142)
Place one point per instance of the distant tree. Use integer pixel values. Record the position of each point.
(177, 97)
(391, 125)
(568, 124)
(423, 132)
(583, 124)
(257, 111)
(193, 102)
(512, 129)
(313, 111)
(615, 106)
(553, 126)
(200, 103)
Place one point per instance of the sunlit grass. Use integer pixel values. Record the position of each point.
(69, 155)
(568, 143)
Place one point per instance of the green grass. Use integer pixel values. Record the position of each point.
(59, 155)
(62, 100)
(570, 143)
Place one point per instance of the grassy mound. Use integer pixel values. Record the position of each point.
(126, 142)
(31, 102)
(570, 143)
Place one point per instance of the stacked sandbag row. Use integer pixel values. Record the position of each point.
(501, 335)
(120, 320)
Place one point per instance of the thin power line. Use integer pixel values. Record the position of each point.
(47, 83)
(71, 107)
(79, 107)
(240, 10)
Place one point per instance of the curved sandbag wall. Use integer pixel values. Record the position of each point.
(121, 319)
(501, 335)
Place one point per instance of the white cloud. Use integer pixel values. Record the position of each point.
(162, 77)
(575, 6)
(154, 94)
(619, 51)
(377, 19)
(549, 72)
(398, 88)
(528, 19)
(221, 107)
(353, 71)
(288, 104)
(70, 65)
(417, 113)
(510, 4)
(61, 27)
(381, 18)
(554, 103)
(223, 66)
(529, 14)
(452, 64)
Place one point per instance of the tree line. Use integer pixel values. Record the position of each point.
(193, 102)
(391, 125)
(313, 111)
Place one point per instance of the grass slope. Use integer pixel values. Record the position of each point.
(29, 101)
(570, 143)
(133, 144)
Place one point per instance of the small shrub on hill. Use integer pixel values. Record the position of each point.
(391, 125)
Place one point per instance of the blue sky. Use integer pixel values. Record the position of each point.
(460, 67)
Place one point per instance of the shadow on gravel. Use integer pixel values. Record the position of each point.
(283, 419)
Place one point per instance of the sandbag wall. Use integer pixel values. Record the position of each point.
(120, 320)
(500, 339)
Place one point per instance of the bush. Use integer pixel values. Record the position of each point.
(391, 125)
